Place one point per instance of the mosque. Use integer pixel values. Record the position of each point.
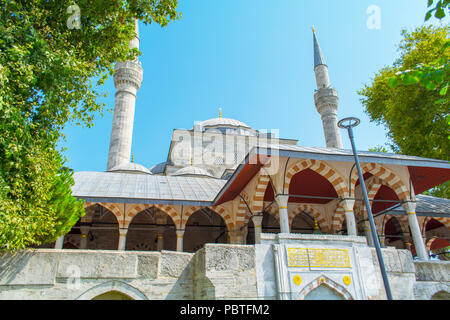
(227, 189)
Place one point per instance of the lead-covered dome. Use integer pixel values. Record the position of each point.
(130, 167)
(223, 122)
(225, 126)
(192, 172)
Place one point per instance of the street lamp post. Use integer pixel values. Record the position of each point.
(349, 123)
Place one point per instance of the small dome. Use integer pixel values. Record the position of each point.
(223, 122)
(192, 171)
(130, 167)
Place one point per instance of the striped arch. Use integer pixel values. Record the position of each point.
(444, 220)
(257, 204)
(322, 168)
(373, 186)
(243, 215)
(312, 211)
(388, 177)
(226, 216)
(136, 209)
(273, 211)
(114, 208)
(338, 218)
(221, 211)
(401, 223)
(323, 280)
(187, 212)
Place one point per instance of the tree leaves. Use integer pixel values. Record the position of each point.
(410, 98)
(49, 75)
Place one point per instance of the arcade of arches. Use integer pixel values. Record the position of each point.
(312, 197)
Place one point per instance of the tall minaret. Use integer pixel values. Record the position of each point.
(326, 99)
(127, 80)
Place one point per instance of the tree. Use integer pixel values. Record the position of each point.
(415, 115)
(53, 56)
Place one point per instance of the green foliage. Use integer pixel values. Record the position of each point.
(49, 73)
(415, 108)
(438, 10)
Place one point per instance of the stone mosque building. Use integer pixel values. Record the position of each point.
(235, 213)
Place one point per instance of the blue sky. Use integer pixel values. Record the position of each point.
(254, 59)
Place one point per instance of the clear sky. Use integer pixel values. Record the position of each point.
(254, 59)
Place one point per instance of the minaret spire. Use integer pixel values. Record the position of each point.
(128, 77)
(326, 98)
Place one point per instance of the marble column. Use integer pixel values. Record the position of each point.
(350, 217)
(180, 236)
(282, 201)
(257, 224)
(84, 237)
(122, 239)
(419, 244)
(368, 233)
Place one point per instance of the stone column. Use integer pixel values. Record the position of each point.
(368, 233)
(83, 237)
(419, 244)
(160, 240)
(180, 235)
(350, 217)
(59, 244)
(122, 239)
(257, 223)
(282, 202)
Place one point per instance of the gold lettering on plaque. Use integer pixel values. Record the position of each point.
(318, 258)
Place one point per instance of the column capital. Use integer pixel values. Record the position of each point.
(180, 232)
(348, 204)
(123, 231)
(410, 207)
(282, 201)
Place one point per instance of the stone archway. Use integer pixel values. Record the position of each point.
(113, 289)
(98, 229)
(151, 230)
(204, 226)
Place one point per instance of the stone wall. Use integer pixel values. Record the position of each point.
(85, 274)
(432, 280)
(214, 272)
(217, 271)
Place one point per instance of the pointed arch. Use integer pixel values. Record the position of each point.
(226, 216)
(257, 204)
(117, 286)
(323, 280)
(386, 175)
(338, 218)
(320, 167)
(316, 214)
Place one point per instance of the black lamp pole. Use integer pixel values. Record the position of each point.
(349, 123)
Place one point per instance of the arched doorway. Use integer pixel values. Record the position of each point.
(393, 234)
(151, 230)
(112, 295)
(98, 229)
(303, 222)
(270, 224)
(204, 226)
(438, 240)
(324, 292)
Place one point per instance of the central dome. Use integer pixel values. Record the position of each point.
(223, 122)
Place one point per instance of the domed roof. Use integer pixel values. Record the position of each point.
(225, 122)
(192, 171)
(130, 167)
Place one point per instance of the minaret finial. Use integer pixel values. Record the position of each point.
(314, 30)
(220, 112)
(132, 158)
